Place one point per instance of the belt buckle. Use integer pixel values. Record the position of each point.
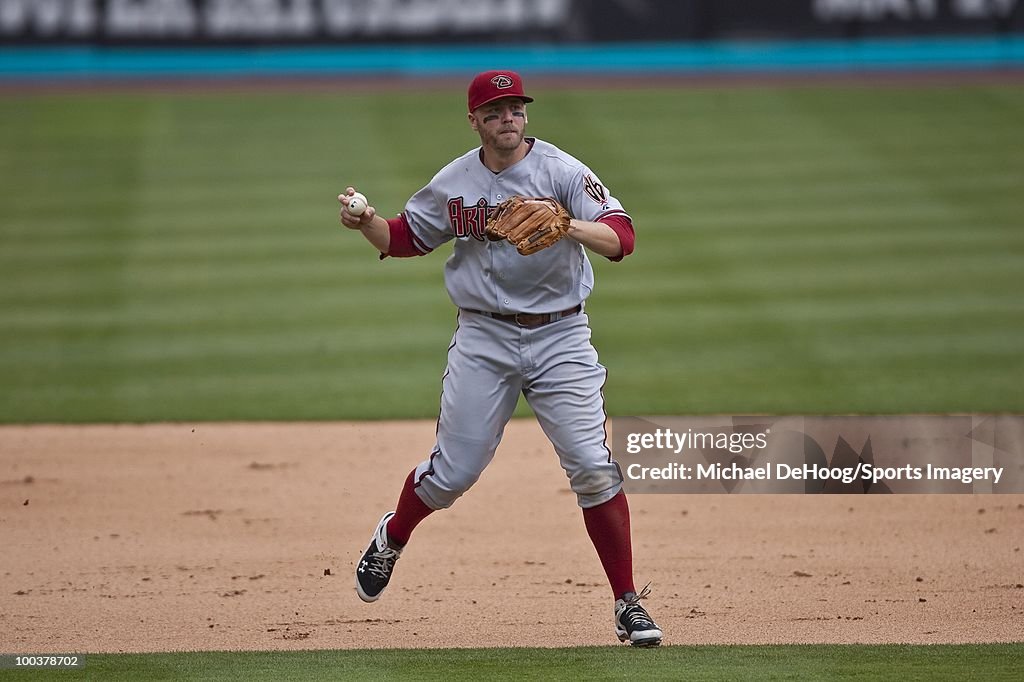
(521, 319)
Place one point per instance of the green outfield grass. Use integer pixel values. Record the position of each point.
(171, 256)
(989, 662)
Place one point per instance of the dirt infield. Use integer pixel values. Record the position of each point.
(244, 536)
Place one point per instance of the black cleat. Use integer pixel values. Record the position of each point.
(374, 570)
(633, 623)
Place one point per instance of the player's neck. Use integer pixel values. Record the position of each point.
(497, 160)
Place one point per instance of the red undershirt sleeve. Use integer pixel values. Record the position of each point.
(623, 228)
(404, 243)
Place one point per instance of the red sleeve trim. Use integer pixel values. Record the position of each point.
(404, 244)
(623, 228)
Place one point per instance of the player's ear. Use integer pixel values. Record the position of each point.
(472, 121)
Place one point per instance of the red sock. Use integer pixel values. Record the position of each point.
(408, 514)
(608, 527)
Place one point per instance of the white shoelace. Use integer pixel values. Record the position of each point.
(635, 613)
(382, 562)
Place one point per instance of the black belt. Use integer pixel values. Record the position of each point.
(529, 320)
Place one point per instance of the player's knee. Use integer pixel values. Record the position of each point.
(436, 498)
(445, 483)
(439, 494)
(588, 500)
(596, 487)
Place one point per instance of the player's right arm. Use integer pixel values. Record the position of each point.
(374, 228)
(416, 231)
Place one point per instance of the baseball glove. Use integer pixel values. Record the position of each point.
(530, 224)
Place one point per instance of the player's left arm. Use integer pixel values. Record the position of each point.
(599, 221)
(599, 237)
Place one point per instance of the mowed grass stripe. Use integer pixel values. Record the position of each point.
(742, 180)
(851, 192)
(680, 212)
(837, 275)
(830, 296)
(834, 153)
(868, 228)
(241, 288)
(319, 262)
(170, 249)
(363, 328)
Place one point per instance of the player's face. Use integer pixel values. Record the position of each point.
(501, 124)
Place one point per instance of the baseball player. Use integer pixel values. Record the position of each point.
(522, 214)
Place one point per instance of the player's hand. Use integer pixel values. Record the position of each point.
(353, 222)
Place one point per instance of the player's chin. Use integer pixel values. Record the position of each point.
(508, 141)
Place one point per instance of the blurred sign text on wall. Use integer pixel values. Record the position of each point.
(552, 21)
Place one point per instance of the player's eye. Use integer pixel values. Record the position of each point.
(490, 117)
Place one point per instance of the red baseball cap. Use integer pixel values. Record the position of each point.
(491, 85)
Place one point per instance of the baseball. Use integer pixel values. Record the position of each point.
(356, 204)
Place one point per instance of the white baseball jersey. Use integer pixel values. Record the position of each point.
(491, 275)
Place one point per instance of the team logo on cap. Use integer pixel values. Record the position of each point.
(501, 82)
